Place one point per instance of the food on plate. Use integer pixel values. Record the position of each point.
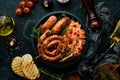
(75, 37)
(49, 23)
(107, 71)
(44, 35)
(25, 67)
(52, 48)
(63, 22)
(62, 40)
(16, 66)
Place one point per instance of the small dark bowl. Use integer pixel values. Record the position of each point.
(68, 64)
(74, 75)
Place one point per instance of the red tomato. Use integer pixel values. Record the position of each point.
(30, 4)
(18, 11)
(26, 10)
(22, 4)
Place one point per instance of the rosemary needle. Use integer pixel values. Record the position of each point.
(53, 76)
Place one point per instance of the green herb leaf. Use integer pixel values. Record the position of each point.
(61, 16)
(53, 76)
(36, 33)
(64, 30)
(71, 51)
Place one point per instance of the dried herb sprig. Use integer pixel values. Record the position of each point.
(36, 33)
(67, 55)
(70, 52)
(61, 16)
(52, 76)
(64, 30)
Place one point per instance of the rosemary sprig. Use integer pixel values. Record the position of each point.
(36, 33)
(70, 52)
(61, 16)
(53, 76)
(67, 55)
(106, 75)
(64, 30)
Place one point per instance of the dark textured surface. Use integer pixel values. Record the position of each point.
(25, 46)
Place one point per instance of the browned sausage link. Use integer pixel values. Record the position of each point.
(59, 47)
(60, 24)
(53, 37)
(44, 35)
(49, 42)
(51, 53)
(49, 23)
(39, 48)
(56, 37)
(54, 43)
(50, 58)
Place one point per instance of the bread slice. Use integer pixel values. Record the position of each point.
(16, 66)
(29, 68)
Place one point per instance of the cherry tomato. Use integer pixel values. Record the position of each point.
(18, 11)
(22, 4)
(30, 4)
(26, 10)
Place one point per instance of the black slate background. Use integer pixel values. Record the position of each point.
(9, 6)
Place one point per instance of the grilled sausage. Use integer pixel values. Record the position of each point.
(49, 23)
(60, 24)
(53, 37)
(52, 48)
(45, 35)
(51, 59)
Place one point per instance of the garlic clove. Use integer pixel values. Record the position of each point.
(63, 1)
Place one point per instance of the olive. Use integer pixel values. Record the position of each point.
(47, 3)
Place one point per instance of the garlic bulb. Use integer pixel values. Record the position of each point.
(47, 3)
(63, 1)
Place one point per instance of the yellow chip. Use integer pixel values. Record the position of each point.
(29, 68)
(16, 66)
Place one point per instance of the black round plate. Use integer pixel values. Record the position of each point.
(70, 63)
